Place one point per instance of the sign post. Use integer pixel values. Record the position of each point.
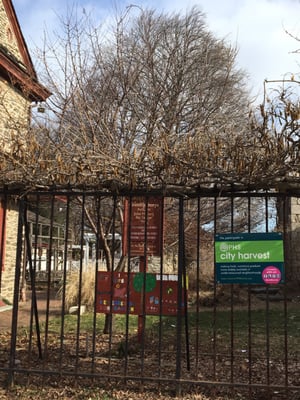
(140, 293)
(142, 234)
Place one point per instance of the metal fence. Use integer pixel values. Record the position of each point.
(162, 320)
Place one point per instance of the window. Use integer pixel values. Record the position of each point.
(9, 35)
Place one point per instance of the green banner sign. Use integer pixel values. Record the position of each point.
(249, 258)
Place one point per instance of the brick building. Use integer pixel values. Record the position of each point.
(19, 88)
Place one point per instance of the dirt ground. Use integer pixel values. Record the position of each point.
(53, 390)
(24, 313)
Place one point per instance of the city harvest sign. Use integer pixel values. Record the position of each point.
(249, 258)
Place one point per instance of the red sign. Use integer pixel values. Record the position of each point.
(120, 296)
(135, 213)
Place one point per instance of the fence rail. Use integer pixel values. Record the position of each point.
(160, 319)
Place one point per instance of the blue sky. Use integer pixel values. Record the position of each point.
(256, 26)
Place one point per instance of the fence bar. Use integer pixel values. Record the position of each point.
(199, 336)
(33, 264)
(161, 294)
(64, 282)
(179, 294)
(49, 275)
(32, 280)
(126, 363)
(14, 323)
(3, 211)
(231, 301)
(97, 250)
(286, 353)
(198, 320)
(214, 338)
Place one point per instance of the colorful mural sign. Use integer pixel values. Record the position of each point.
(137, 293)
(249, 258)
(134, 226)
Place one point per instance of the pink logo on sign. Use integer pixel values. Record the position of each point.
(271, 275)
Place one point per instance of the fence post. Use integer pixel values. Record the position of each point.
(179, 295)
(14, 323)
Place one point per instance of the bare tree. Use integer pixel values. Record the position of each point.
(155, 102)
(150, 105)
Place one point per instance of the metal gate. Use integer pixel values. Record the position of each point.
(124, 289)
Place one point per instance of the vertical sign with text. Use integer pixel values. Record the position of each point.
(142, 226)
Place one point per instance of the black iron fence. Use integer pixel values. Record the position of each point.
(145, 290)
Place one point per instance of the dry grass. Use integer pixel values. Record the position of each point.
(86, 292)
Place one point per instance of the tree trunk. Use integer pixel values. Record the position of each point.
(108, 323)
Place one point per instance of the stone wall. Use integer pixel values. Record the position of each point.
(8, 273)
(14, 115)
(293, 245)
(8, 39)
(14, 123)
(14, 106)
